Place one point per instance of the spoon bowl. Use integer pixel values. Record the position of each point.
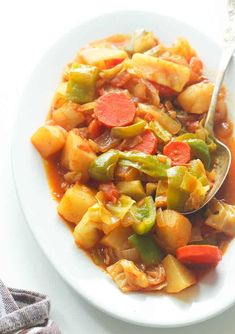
(221, 163)
(221, 159)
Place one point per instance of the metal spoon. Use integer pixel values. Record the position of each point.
(222, 155)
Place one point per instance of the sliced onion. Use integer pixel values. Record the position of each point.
(152, 92)
(105, 142)
(130, 143)
(130, 254)
(140, 90)
(186, 118)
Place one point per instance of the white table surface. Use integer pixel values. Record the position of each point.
(27, 29)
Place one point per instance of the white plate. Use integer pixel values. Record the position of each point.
(214, 293)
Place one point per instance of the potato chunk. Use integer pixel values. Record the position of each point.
(134, 189)
(77, 155)
(68, 115)
(75, 203)
(118, 238)
(173, 230)
(49, 139)
(161, 71)
(196, 98)
(177, 275)
(95, 56)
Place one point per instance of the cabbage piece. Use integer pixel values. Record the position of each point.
(161, 71)
(98, 56)
(111, 72)
(129, 277)
(87, 232)
(196, 196)
(221, 217)
(141, 41)
(111, 214)
(197, 169)
(100, 218)
(187, 187)
(183, 48)
(122, 206)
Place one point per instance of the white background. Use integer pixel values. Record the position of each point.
(27, 30)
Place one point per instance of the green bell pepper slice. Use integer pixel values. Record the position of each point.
(145, 163)
(185, 137)
(198, 146)
(200, 150)
(159, 131)
(176, 197)
(128, 131)
(144, 215)
(81, 86)
(147, 248)
(102, 168)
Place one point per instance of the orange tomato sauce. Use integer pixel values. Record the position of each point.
(55, 175)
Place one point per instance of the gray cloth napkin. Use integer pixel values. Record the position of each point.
(24, 312)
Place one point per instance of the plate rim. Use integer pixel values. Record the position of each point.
(60, 270)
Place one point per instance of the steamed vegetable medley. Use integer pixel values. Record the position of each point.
(130, 155)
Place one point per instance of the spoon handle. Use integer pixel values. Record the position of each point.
(227, 52)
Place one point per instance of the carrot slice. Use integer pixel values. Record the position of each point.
(110, 192)
(115, 109)
(179, 152)
(199, 254)
(95, 129)
(148, 144)
(164, 91)
(109, 63)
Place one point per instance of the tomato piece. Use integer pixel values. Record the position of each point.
(115, 109)
(109, 63)
(110, 192)
(164, 91)
(95, 129)
(179, 152)
(199, 254)
(148, 144)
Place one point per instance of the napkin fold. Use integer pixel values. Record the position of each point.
(24, 312)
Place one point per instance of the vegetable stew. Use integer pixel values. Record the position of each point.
(126, 155)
